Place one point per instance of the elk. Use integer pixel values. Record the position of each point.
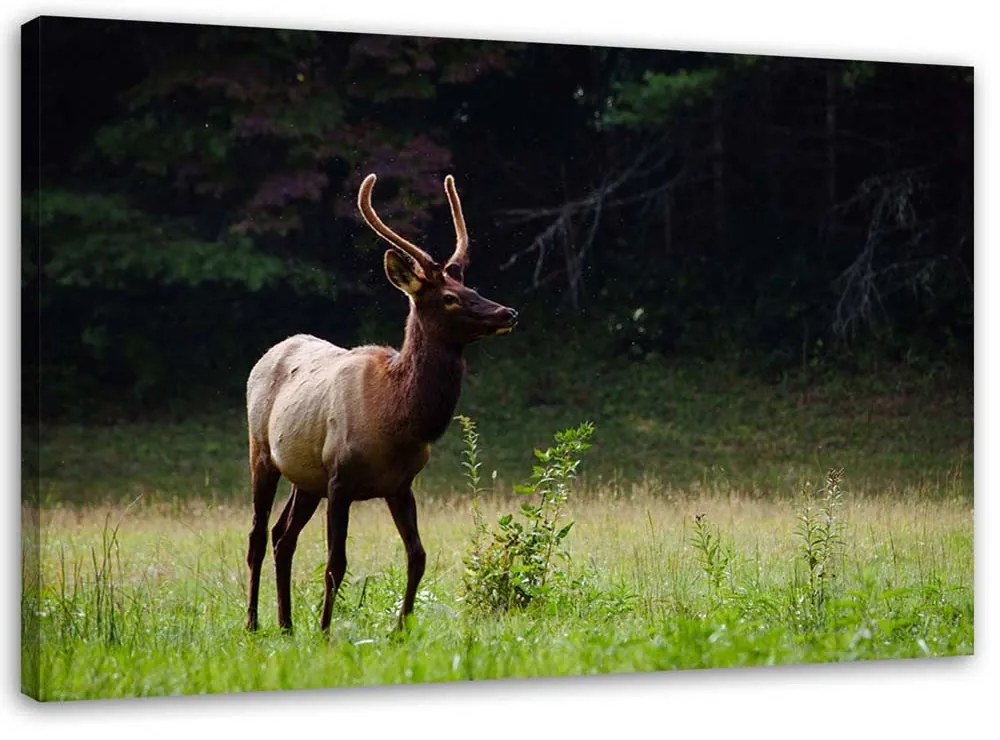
(351, 425)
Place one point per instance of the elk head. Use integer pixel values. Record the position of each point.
(446, 308)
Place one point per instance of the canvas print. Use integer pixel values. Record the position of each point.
(360, 360)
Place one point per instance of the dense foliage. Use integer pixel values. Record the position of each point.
(189, 199)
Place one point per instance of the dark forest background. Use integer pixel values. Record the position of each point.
(189, 199)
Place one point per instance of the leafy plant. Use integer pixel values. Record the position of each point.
(714, 557)
(471, 465)
(515, 564)
(820, 530)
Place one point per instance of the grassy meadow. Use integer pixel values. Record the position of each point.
(690, 546)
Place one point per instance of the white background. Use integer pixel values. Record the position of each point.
(947, 697)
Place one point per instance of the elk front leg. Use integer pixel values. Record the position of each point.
(404, 513)
(284, 537)
(338, 507)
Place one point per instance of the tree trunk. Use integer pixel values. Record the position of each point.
(831, 151)
(668, 220)
(718, 175)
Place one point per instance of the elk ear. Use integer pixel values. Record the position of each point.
(402, 273)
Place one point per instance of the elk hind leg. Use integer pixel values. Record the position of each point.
(338, 508)
(264, 482)
(284, 537)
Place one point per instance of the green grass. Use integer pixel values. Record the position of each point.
(158, 608)
(689, 425)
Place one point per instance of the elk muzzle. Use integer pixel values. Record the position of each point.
(509, 316)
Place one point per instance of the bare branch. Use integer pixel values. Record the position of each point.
(584, 214)
(892, 220)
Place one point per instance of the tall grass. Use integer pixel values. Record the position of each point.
(165, 615)
(696, 539)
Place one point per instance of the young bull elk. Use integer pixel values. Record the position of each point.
(349, 425)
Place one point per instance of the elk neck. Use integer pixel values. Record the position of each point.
(427, 375)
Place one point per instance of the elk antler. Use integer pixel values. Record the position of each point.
(365, 204)
(461, 255)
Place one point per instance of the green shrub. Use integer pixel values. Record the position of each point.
(516, 563)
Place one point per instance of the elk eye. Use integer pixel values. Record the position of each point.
(450, 299)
